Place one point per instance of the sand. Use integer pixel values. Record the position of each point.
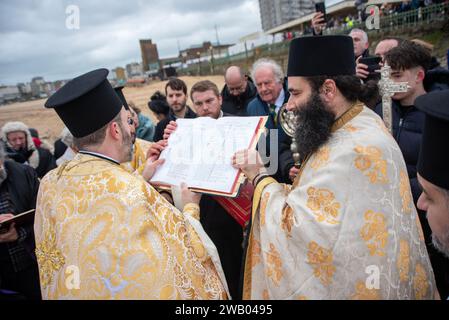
(35, 115)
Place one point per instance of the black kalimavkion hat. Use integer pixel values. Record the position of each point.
(86, 103)
(321, 56)
(433, 163)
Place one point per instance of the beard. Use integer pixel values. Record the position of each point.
(442, 244)
(127, 146)
(313, 125)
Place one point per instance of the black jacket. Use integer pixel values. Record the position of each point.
(46, 162)
(408, 125)
(160, 127)
(237, 106)
(227, 236)
(60, 148)
(22, 185)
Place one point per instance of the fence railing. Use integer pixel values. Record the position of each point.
(421, 16)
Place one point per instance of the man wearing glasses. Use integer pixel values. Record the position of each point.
(238, 91)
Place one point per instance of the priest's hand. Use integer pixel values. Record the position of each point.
(249, 162)
(150, 167)
(361, 69)
(156, 148)
(11, 234)
(293, 173)
(318, 23)
(188, 196)
(169, 129)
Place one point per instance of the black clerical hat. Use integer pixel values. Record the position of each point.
(433, 163)
(86, 103)
(120, 94)
(321, 56)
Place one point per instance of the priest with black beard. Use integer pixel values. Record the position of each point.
(347, 227)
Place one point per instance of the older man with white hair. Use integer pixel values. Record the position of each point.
(272, 94)
(360, 41)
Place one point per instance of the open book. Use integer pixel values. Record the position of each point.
(199, 153)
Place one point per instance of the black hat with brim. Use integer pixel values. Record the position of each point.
(321, 56)
(120, 94)
(433, 163)
(86, 103)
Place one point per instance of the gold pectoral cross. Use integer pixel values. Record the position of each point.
(387, 89)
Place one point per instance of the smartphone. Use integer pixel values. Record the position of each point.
(372, 62)
(320, 7)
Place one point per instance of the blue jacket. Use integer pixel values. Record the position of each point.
(257, 107)
(408, 125)
(146, 128)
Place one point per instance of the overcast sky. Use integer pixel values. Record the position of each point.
(36, 42)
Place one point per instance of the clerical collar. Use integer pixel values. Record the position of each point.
(350, 114)
(99, 155)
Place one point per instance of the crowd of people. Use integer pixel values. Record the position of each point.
(362, 195)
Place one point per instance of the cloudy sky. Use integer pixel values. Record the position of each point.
(36, 42)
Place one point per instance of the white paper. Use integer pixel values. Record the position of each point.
(199, 152)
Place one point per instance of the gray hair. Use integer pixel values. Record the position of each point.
(268, 63)
(364, 35)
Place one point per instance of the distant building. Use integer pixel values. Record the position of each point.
(134, 70)
(37, 86)
(204, 51)
(25, 90)
(9, 94)
(276, 12)
(150, 55)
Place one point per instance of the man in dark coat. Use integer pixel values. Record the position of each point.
(18, 266)
(176, 92)
(237, 92)
(21, 148)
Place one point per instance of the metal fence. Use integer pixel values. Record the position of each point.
(403, 20)
(396, 21)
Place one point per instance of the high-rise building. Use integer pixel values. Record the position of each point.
(276, 12)
(150, 56)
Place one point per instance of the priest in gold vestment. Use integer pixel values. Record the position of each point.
(347, 227)
(103, 233)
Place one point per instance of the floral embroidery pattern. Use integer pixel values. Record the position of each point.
(404, 191)
(287, 219)
(374, 233)
(256, 251)
(371, 163)
(363, 293)
(321, 158)
(322, 261)
(274, 265)
(350, 128)
(403, 262)
(420, 283)
(321, 202)
(49, 257)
